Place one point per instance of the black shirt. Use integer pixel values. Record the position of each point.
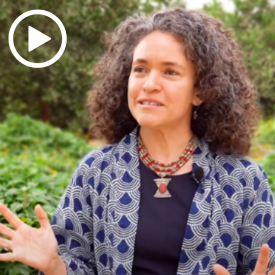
(162, 223)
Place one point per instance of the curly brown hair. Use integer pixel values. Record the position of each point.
(230, 111)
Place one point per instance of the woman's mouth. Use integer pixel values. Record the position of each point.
(150, 103)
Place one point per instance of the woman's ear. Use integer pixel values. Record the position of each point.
(196, 100)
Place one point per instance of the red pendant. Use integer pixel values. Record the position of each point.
(162, 191)
(162, 188)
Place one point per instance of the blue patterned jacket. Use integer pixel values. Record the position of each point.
(231, 216)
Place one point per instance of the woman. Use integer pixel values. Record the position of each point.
(174, 193)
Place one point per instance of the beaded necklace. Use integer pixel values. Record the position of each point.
(162, 169)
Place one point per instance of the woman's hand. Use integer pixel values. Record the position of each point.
(261, 265)
(31, 246)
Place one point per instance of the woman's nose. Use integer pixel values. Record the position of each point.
(152, 83)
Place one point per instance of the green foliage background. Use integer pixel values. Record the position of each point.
(263, 150)
(252, 24)
(36, 163)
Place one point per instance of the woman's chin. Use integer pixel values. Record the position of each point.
(149, 123)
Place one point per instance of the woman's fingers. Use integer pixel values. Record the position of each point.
(16, 222)
(263, 260)
(42, 217)
(10, 217)
(261, 265)
(7, 232)
(4, 243)
(220, 270)
(7, 257)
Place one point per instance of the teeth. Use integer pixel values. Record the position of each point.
(150, 103)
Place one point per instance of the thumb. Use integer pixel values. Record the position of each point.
(42, 217)
(220, 270)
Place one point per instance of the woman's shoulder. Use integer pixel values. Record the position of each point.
(111, 153)
(231, 164)
(241, 168)
(96, 156)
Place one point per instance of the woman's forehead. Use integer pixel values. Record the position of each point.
(159, 45)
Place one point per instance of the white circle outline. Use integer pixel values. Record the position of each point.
(32, 64)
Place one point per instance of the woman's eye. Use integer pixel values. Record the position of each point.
(171, 72)
(139, 70)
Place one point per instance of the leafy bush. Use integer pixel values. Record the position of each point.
(36, 164)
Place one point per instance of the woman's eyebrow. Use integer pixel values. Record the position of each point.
(140, 60)
(169, 63)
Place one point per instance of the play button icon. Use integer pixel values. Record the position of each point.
(36, 38)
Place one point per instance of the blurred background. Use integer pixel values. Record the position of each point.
(43, 121)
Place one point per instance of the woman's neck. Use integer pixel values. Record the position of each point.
(165, 145)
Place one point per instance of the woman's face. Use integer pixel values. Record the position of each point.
(161, 84)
